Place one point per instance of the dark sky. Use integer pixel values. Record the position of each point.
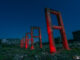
(17, 16)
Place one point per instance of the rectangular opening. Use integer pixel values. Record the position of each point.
(36, 42)
(57, 39)
(35, 32)
(54, 20)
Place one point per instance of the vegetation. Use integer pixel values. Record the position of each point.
(17, 53)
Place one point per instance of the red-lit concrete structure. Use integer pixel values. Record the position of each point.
(32, 36)
(50, 28)
(27, 40)
(22, 42)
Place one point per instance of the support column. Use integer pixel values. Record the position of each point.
(59, 27)
(26, 41)
(62, 31)
(32, 47)
(40, 38)
(22, 43)
(50, 32)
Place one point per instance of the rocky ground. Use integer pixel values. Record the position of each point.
(17, 53)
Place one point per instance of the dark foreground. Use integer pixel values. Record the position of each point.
(17, 53)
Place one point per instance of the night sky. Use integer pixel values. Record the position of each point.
(16, 16)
